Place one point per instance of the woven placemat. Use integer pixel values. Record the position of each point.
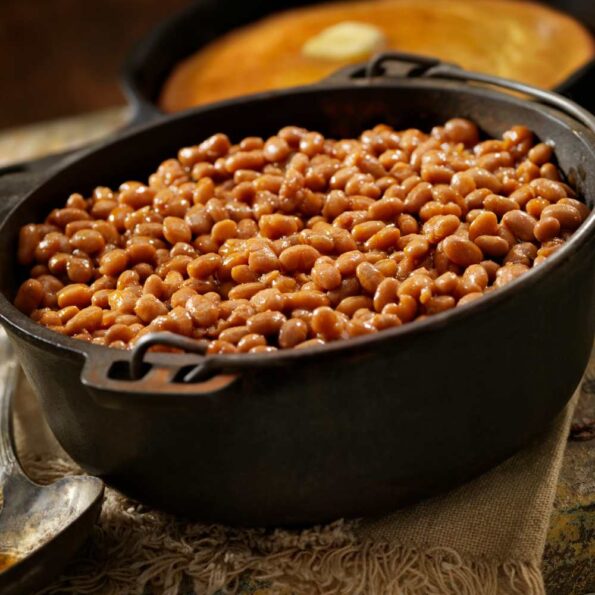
(486, 537)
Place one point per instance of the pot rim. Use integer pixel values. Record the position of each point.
(37, 333)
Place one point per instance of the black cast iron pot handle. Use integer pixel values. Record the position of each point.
(450, 71)
(205, 367)
(417, 66)
(139, 372)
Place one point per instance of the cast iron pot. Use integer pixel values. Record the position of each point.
(351, 428)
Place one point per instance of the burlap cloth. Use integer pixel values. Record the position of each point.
(486, 537)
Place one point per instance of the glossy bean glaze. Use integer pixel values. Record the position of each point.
(297, 240)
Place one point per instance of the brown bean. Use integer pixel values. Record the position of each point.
(387, 266)
(461, 251)
(485, 224)
(250, 341)
(266, 323)
(276, 149)
(485, 179)
(385, 209)
(100, 298)
(52, 243)
(364, 231)
(405, 309)
(263, 261)
(74, 226)
(305, 300)
(268, 300)
(384, 321)
(581, 207)
(224, 230)
(67, 313)
(88, 319)
(439, 303)
(568, 216)
(141, 251)
(546, 229)
(369, 276)
(523, 253)
(148, 307)
(88, 240)
(416, 248)
(470, 297)
(520, 224)
(386, 293)
(358, 328)
(62, 217)
(491, 268)
(415, 286)
(118, 332)
(446, 283)
(234, 334)
(439, 227)
(326, 275)
(350, 305)
(263, 349)
(204, 266)
(75, 295)
(112, 263)
(476, 275)
(276, 226)
(322, 242)
(176, 230)
(79, 270)
(550, 189)
(460, 130)
(348, 261)
(182, 321)
(535, 206)
(418, 197)
(522, 195)
(245, 290)
(298, 258)
(509, 273)
(326, 323)
(29, 296)
(310, 343)
(204, 312)
(254, 159)
(540, 153)
(29, 236)
(499, 204)
(493, 246)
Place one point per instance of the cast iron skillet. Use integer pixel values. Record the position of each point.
(152, 60)
(351, 428)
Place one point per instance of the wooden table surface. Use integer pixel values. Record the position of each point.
(569, 560)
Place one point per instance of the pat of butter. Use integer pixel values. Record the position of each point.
(349, 40)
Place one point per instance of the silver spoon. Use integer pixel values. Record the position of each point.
(41, 527)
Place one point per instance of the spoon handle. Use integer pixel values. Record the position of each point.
(8, 380)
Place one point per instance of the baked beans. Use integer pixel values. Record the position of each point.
(297, 240)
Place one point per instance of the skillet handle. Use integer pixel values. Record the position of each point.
(141, 113)
(424, 67)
